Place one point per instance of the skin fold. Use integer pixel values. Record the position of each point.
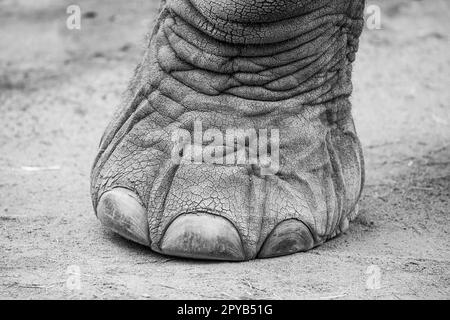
(245, 64)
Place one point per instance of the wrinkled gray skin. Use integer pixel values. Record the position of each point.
(263, 64)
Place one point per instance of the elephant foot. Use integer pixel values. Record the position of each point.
(209, 211)
(236, 139)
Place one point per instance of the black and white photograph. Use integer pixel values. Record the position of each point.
(230, 150)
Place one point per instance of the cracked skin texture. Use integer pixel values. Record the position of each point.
(247, 64)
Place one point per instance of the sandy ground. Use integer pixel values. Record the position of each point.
(59, 88)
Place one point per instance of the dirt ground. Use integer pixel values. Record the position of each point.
(59, 88)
